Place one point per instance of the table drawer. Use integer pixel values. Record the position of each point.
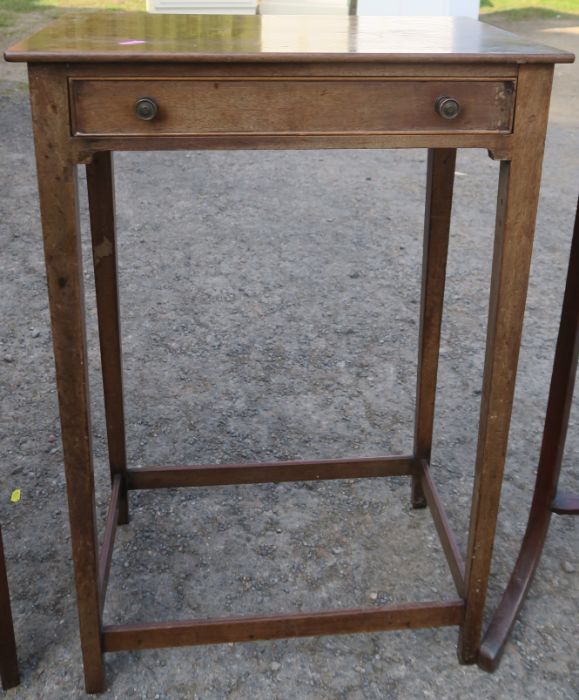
(193, 106)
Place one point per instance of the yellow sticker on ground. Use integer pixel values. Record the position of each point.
(15, 497)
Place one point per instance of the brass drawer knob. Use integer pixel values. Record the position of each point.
(447, 107)
(146, 108)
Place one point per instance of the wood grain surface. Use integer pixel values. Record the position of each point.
(141, 37)
(285, 106)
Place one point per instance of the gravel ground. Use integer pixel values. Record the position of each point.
(269, 306)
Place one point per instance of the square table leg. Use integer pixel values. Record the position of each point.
(57, 183)
(100, 186)
(518, 195)
(8, 659)
(439, 186)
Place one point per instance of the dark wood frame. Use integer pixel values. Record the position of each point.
(59, 152)
(8, 660)
(547, 499)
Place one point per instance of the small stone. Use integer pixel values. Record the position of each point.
(35, 333)
(397, 671)
(567, 567)
(373, 596)
(359, 669)
(275, 666)
(52, 438)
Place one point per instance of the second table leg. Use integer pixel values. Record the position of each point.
(439, 186)
(100, 185)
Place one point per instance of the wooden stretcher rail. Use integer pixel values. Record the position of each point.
(266, 472)
(445, 533)
(499, 145)
(249, 629)
(106, 550)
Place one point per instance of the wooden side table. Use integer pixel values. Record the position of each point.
(100, 83)
(8, 660)
(547, 499)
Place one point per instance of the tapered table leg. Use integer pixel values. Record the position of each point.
(439, 186)
(8, 659)
(552, 449)
(518, 195)
(100, 185)
(57, 181)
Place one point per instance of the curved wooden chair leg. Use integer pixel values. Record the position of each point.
(499, 630)
(8, 661)
(545, 499)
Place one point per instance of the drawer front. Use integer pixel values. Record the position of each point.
(286, 106)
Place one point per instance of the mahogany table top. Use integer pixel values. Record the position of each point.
(142, 37)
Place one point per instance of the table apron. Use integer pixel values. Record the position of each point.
(82, 148)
